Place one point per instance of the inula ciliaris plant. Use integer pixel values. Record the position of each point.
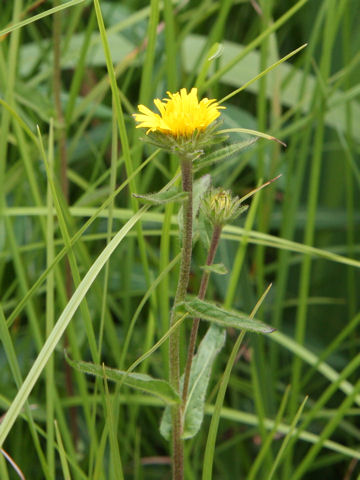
(189, 128)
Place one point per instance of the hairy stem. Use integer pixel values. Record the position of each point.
(202, 290)
(174, 341)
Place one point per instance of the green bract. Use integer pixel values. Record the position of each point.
(192, 146)
(220, 207)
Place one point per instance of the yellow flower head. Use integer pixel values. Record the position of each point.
(180, 115)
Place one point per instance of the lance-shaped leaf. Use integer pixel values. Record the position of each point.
(139, 381)
(200, 373)
(161, 198)
(218, 268)
(197, 308)
(252, 132)
(201, 185)
(222, 153)
(201, 368)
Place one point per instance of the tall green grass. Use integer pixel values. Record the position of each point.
(290, 406)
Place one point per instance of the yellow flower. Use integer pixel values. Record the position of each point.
(180, 115)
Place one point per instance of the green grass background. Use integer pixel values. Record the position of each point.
(71, 75)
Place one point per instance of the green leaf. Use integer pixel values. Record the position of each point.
(218, 268)
(224, 318)
(255, 133)
(204, 230)
(223, 153)
(161, 198)
(214, 52)
(139, 381)
(201, 185)
(201, 368)
(35, 18)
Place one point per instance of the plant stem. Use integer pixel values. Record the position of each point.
(65, 190)
(202, 290)
(174, 341)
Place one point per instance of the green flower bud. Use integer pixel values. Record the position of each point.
(220, 207)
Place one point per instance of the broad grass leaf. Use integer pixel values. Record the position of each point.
(290, 74)
(139, 381)
(197, 308)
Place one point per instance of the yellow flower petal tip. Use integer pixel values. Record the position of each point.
(180, 115)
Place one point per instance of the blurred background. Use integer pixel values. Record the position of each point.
(301, 233)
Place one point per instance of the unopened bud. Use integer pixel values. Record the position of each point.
(220, 207)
